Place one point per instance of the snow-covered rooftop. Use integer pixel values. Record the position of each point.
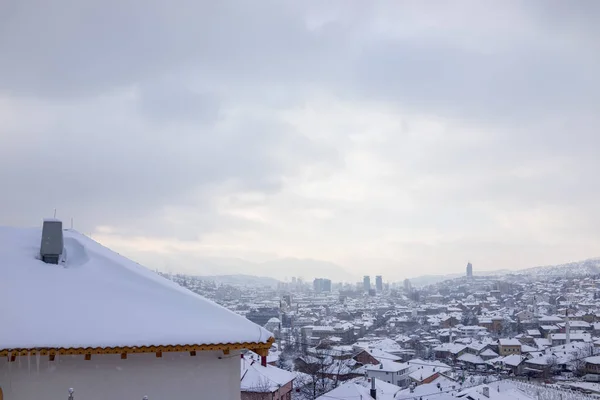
(258, 378)
(98, 298)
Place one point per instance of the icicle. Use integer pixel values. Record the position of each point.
(29, 363)
(37, 362)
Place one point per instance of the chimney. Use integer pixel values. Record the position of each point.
(373, 390)
(486, 391)
(52, 241)
(263, 361)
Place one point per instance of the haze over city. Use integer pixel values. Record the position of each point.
(394, 138)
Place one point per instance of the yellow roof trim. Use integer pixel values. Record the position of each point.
(260, 348)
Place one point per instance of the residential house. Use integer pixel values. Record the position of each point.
(366, 389)
(366, 358)
(422, 372)
(449, 351)
(260, 382)
(508, 347)
(558, 339)
(109, 328)
(390, 372)
(592, 365)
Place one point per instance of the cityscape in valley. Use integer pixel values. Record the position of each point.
(104, 320)
(299, 200)
(528, 335)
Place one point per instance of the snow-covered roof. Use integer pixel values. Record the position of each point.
(385, 391)
(489, 353)
(349, 390)
(98, 298)
(387, 366)
(429, 389)
(593, 360)
(471, 359)
(509, 342)
(452, 348)
(382, 355)
(424, 372)
(256, 378)
(494, 392)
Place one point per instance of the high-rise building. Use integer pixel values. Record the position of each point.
(407, 285)
(322, 285)
(366, 283)
(469, 270)
(379, 283)
(318, 285)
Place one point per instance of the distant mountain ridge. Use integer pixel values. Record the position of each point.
(282, 269)
(590, 266)
(269, 273)
(242, 280)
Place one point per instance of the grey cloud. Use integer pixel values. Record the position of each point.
(184, 69)
(170, 101)
(67, 48)
(117, 174)
(518, 85)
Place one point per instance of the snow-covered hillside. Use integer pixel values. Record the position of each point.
(578, 268)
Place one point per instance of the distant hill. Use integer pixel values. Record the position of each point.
(281, 269)
(590, 266)
(230, 270)
(242, 280)
(425, 280)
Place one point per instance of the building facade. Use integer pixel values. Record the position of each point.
(379, 283)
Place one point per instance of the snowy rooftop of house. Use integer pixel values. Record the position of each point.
(257, 378)
(593, 360)
(98, 298)
(509, 342)
(489, 353)
(471, 359)
(387, 365)
(453, 348)
(347, 390)
(424, 372)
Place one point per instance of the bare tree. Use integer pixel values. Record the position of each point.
(579, 362)
(551, 366)
(316, 380)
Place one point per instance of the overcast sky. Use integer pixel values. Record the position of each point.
(400, 137)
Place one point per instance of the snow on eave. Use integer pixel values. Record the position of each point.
(261, 349)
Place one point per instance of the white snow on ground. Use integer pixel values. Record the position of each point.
(98, 298)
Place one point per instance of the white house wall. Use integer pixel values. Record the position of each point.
(175, 376)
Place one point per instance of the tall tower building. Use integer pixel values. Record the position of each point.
(366, 283)
(379, 283)
(322, 285)
(318, 285)
(469, 270)
(407, 285)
